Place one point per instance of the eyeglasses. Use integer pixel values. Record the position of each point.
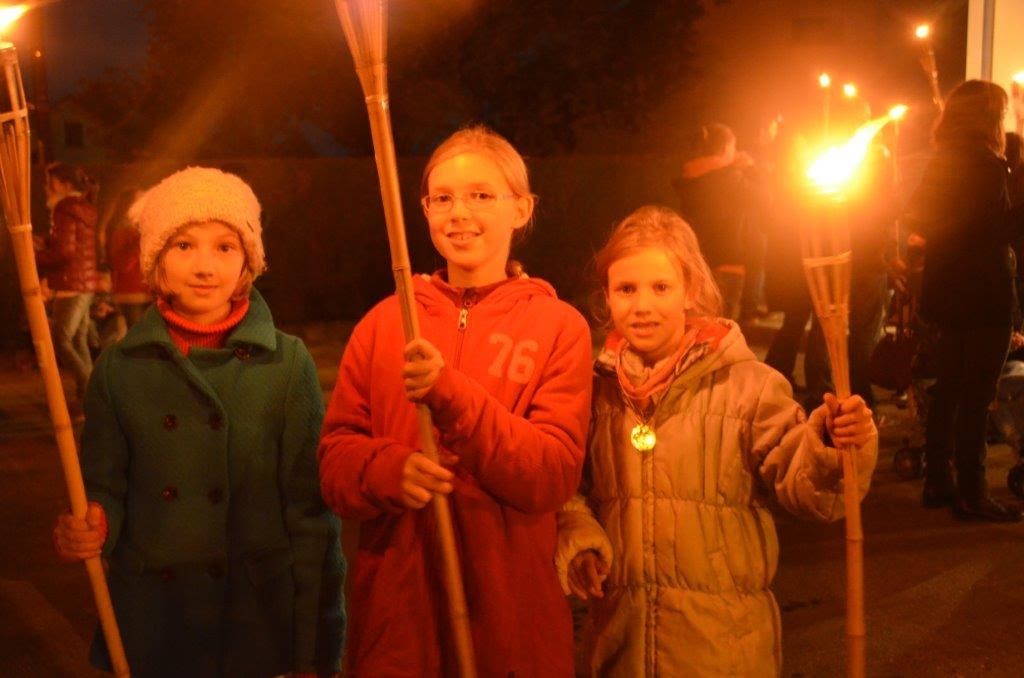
(475, 201)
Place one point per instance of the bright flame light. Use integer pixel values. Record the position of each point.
(10, 14)
(897, 112)
(1018, 77)
(849, 90)
(836, 169)
(825, 80)
(922, 31)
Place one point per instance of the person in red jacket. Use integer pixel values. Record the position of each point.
(129, 289)
(67, 259)
(504, 367)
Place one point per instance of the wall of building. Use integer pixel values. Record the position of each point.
(1004, 46)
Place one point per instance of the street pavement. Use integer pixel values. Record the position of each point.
(943, 598)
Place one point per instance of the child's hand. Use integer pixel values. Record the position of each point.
(423, 365)
(587, 572)
(849, 423)
(421, 478)
(78, 539)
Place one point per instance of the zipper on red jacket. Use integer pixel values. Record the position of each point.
(468, 299)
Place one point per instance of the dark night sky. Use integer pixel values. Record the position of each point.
(83, 37)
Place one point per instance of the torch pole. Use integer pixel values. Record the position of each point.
(15, 180)
(826, 260)
(364, 24)
(931, 69)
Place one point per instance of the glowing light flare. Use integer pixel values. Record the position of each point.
(849, 90)
(825, 80)
(922, 31)
(834, 171)
(898, 112)
(10, 14)
(1018, 77)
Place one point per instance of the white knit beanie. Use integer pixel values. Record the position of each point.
(194, 195)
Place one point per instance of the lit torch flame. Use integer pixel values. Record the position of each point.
(10, 14)
(897, 112)
(837, 168)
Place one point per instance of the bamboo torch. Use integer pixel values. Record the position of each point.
(14, 189)
(826, 259)
(364, 23)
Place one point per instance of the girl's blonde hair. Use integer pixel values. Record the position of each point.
(484, 141)
(156, 279)
(658, 227)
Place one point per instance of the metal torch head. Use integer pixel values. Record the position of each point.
(12, 96)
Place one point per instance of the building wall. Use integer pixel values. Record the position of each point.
(1006, 48)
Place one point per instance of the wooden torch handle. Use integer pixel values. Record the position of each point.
(24, 254)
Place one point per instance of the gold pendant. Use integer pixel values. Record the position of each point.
(643, 438)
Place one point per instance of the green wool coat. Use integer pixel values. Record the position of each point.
(224, 560)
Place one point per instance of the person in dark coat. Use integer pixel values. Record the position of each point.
(719, 196)
(67, 259)
(962, 211)
(199, 459)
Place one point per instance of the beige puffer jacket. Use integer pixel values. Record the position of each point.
(689, 524)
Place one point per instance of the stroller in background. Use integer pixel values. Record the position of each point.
(900, 364)
(1006, 420)
(903, 363)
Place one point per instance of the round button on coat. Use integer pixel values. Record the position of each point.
(170, 421)
(216, 422)
(169, 493)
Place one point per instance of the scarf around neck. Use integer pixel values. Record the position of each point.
(646, 384)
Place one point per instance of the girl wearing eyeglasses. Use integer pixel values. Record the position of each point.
(504, 367)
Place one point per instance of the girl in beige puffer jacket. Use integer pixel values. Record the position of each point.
(692, 439)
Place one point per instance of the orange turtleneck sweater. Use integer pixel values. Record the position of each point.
(186, 334)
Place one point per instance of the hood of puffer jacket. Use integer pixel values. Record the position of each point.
(702, 358)
(435, 293)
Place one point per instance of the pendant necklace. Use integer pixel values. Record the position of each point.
(642, 435)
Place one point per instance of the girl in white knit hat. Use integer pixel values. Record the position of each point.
(199, 457)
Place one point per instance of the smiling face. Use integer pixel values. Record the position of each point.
(475, 244)
(201, 268)
(648, 299)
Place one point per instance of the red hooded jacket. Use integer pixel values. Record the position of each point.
(123, 258)
(513, 404)
(68, 259)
